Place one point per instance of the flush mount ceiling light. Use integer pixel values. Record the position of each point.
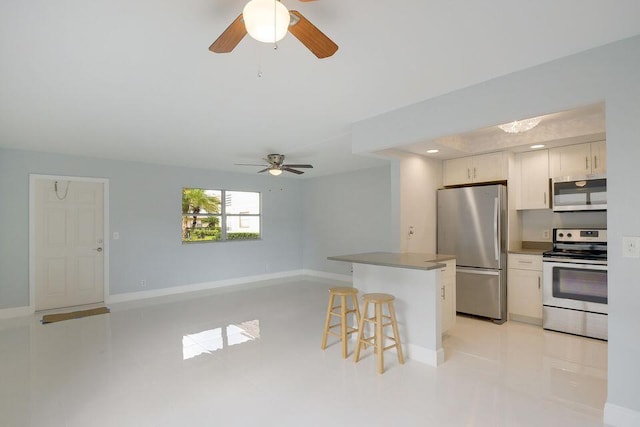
(433, 151)
(275, 172)
(519, 126)
(537, 146)
(266, 20)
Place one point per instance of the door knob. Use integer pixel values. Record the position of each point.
(99, 249)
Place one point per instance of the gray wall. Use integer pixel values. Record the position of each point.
(610, 73)
(346, 213)
(145, 208)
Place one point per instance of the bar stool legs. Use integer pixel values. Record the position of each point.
(342, 314)
(378, 320)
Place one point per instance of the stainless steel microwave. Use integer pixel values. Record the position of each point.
(579, 193)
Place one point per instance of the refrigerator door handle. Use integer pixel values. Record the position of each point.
(496, 227)
(478, 271)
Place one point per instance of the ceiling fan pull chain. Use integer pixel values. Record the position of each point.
(275, 43)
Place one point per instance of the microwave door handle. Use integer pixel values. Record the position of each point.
(496, 223)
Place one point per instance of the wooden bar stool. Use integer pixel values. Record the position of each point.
(341, 311)
(378, 320)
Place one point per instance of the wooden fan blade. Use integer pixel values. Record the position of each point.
(297, 166)
(310, 36)
(264, 170)
(248, 164)
(230, 37)
(292, 170)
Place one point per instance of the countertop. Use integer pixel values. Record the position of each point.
(412, 260)
(527, 251)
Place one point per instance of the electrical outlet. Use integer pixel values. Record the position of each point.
(546, 234)
(116, 235)
(143, 282)
(631, 247)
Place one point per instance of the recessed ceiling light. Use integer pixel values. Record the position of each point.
(432, 151)
(537, 146)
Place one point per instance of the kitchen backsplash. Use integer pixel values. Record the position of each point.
(536, 222)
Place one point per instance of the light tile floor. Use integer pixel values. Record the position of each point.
(251, 357)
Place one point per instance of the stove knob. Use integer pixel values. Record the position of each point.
(560, 234)
(568, 234)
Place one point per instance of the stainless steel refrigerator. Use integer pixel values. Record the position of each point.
(472, 226)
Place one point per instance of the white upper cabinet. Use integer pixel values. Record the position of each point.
(579, 159)
(457, 171)
(482, 168)
(599, 157)
(534, 180)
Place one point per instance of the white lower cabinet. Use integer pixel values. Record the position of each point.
(524, 288)
(448, 295)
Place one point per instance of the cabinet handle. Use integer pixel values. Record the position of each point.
(521, 261)
(586, 163)
(544, 198)
(442, 292)
(468, 173)
(595, 162)
(474, 173)
(538, 283)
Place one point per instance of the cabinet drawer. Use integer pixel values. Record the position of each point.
(525, 262)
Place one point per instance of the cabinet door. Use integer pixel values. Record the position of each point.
(534, 180)
(457, 171)
(570, 160)
(448, 295)
(489, 167)
(525, 295)
(599, 157)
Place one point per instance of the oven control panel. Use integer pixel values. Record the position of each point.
(596, 235)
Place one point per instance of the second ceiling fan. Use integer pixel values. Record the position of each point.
(268, 21)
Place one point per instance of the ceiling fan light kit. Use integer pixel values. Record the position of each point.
(276, 165)
(266, 20)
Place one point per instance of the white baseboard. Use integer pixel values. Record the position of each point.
(8, 313)
(175, 290)
(331, 276)
(425, 355)
(619, 416)
(134, 296)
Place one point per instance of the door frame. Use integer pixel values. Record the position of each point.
(32, 227)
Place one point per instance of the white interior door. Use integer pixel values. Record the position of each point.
(69, 246)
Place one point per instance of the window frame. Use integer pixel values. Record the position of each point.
(223, 215)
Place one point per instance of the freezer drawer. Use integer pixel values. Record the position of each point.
(481, 292)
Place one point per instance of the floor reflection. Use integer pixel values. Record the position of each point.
(211, 340)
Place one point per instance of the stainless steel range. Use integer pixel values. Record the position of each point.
(574, 283)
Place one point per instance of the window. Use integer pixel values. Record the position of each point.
(205, 218)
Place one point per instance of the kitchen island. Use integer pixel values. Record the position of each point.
(415, 281)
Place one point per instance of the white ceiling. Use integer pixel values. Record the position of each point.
(134, 80)
(584, 124)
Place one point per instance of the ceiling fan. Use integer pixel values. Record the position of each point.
(276, 165)
(268, 21)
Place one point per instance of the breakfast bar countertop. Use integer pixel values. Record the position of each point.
(412, 260)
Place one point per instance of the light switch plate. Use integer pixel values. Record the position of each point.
(116, 235)
(631, 247)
